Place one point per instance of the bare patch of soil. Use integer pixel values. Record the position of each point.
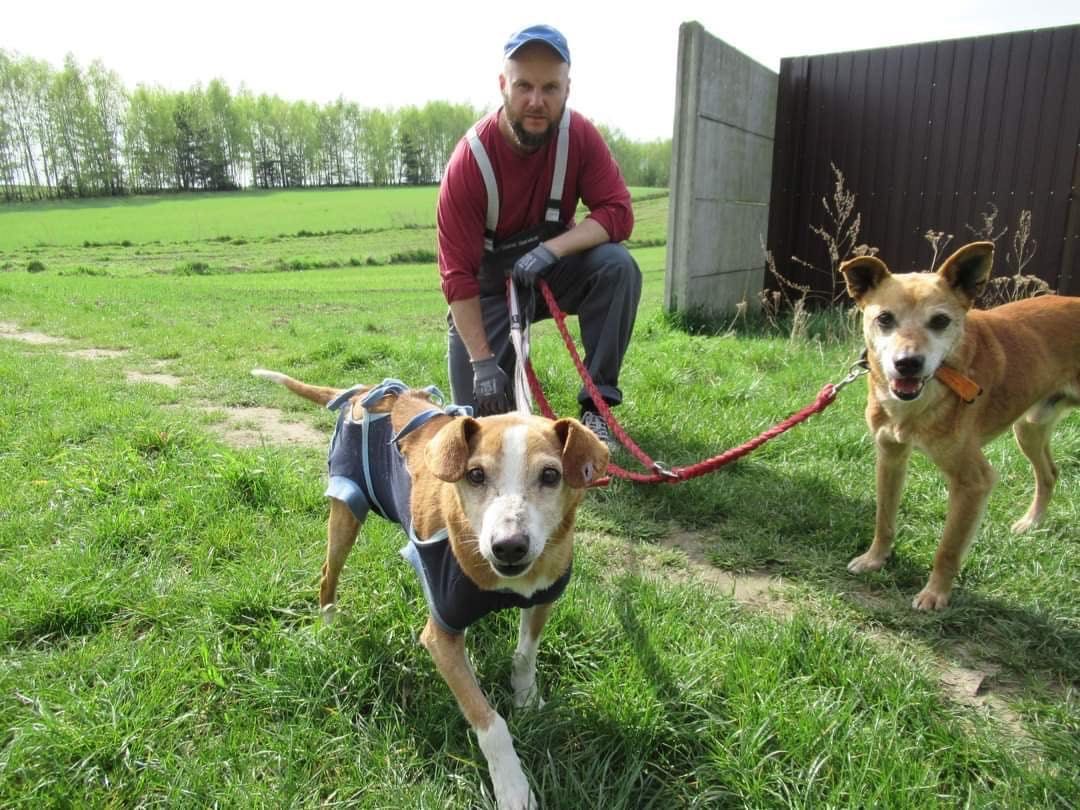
(97, 354)
(680, 558)
(965, 677)
(161, 379)
(752, 589)
(254, 427)
(976, 682)
(755, 589)
(11, 331)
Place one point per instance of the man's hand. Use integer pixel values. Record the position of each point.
(532, 265)
(491, 388)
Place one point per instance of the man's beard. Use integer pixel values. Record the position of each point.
(534, 140)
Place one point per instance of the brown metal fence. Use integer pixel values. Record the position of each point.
(929, 137)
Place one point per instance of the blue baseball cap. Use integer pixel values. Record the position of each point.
(538, 33)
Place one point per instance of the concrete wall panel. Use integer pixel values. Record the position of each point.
(722, 150)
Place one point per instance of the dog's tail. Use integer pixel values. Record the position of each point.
(316, 393)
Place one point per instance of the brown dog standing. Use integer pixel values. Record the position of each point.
(489, 507)
(929, 353)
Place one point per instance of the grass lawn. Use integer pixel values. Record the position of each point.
(159, 642)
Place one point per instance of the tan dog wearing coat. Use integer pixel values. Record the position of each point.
(489, 506)
(929, 353)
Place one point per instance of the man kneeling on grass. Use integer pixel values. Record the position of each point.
(506, 208)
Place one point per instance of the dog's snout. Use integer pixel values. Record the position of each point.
(511, 550)
(910, 365)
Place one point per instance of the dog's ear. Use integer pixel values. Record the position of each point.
(584, 457)
(862, 274)
(968, 270)
(447, 455)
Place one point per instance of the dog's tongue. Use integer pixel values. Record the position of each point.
(907, 385)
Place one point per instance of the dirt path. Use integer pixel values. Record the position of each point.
(11, 331)
(240, 427)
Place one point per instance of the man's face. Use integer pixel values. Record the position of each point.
(535, 84)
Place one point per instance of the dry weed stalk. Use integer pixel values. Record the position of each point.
(938, 241)
(985, 233)
(841, 236)
(741, 309)
(789, 295)
(1019, 285)
(1021, 240)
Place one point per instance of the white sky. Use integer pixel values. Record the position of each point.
(391, 54)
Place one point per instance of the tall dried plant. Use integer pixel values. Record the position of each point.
(938, 241)
(1017, 285)
(985, 232)
(840, 234)
(1023, 245)
(788, 296)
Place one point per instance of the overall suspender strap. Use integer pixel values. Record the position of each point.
(558, 178)
(482, 162)
(519, 326)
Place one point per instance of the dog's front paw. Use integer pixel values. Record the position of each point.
(515, 797)
(866, 562)
(512, 790)
(929, 600)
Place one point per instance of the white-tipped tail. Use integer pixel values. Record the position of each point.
(273, 376)
(316, 393)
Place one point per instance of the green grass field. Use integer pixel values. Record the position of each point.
(251, 215)
(159, 641)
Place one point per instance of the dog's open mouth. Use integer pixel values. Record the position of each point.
(907, 388)
(510, 571)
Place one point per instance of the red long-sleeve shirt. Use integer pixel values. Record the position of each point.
(524, 181)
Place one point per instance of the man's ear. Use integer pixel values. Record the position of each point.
(447, 455)
(862, 274)
(584, 457)
(968, 269)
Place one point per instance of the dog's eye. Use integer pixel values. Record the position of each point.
(475, 476)
(940, 322)
(886, 320)
(550, 477)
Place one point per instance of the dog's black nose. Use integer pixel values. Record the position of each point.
(511, 550)
(910, 365)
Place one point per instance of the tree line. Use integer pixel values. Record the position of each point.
(77, 132)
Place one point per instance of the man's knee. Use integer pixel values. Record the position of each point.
(611, 254)
(613, 263)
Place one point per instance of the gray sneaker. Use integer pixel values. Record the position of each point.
(595, 422)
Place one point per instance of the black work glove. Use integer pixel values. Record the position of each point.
(532, 265)
(491, 388)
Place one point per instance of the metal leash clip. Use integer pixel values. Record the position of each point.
(660, 468)
(857, 369)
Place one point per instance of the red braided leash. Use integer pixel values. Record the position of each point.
(660, 473)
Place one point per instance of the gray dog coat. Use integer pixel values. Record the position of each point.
(367, 472)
